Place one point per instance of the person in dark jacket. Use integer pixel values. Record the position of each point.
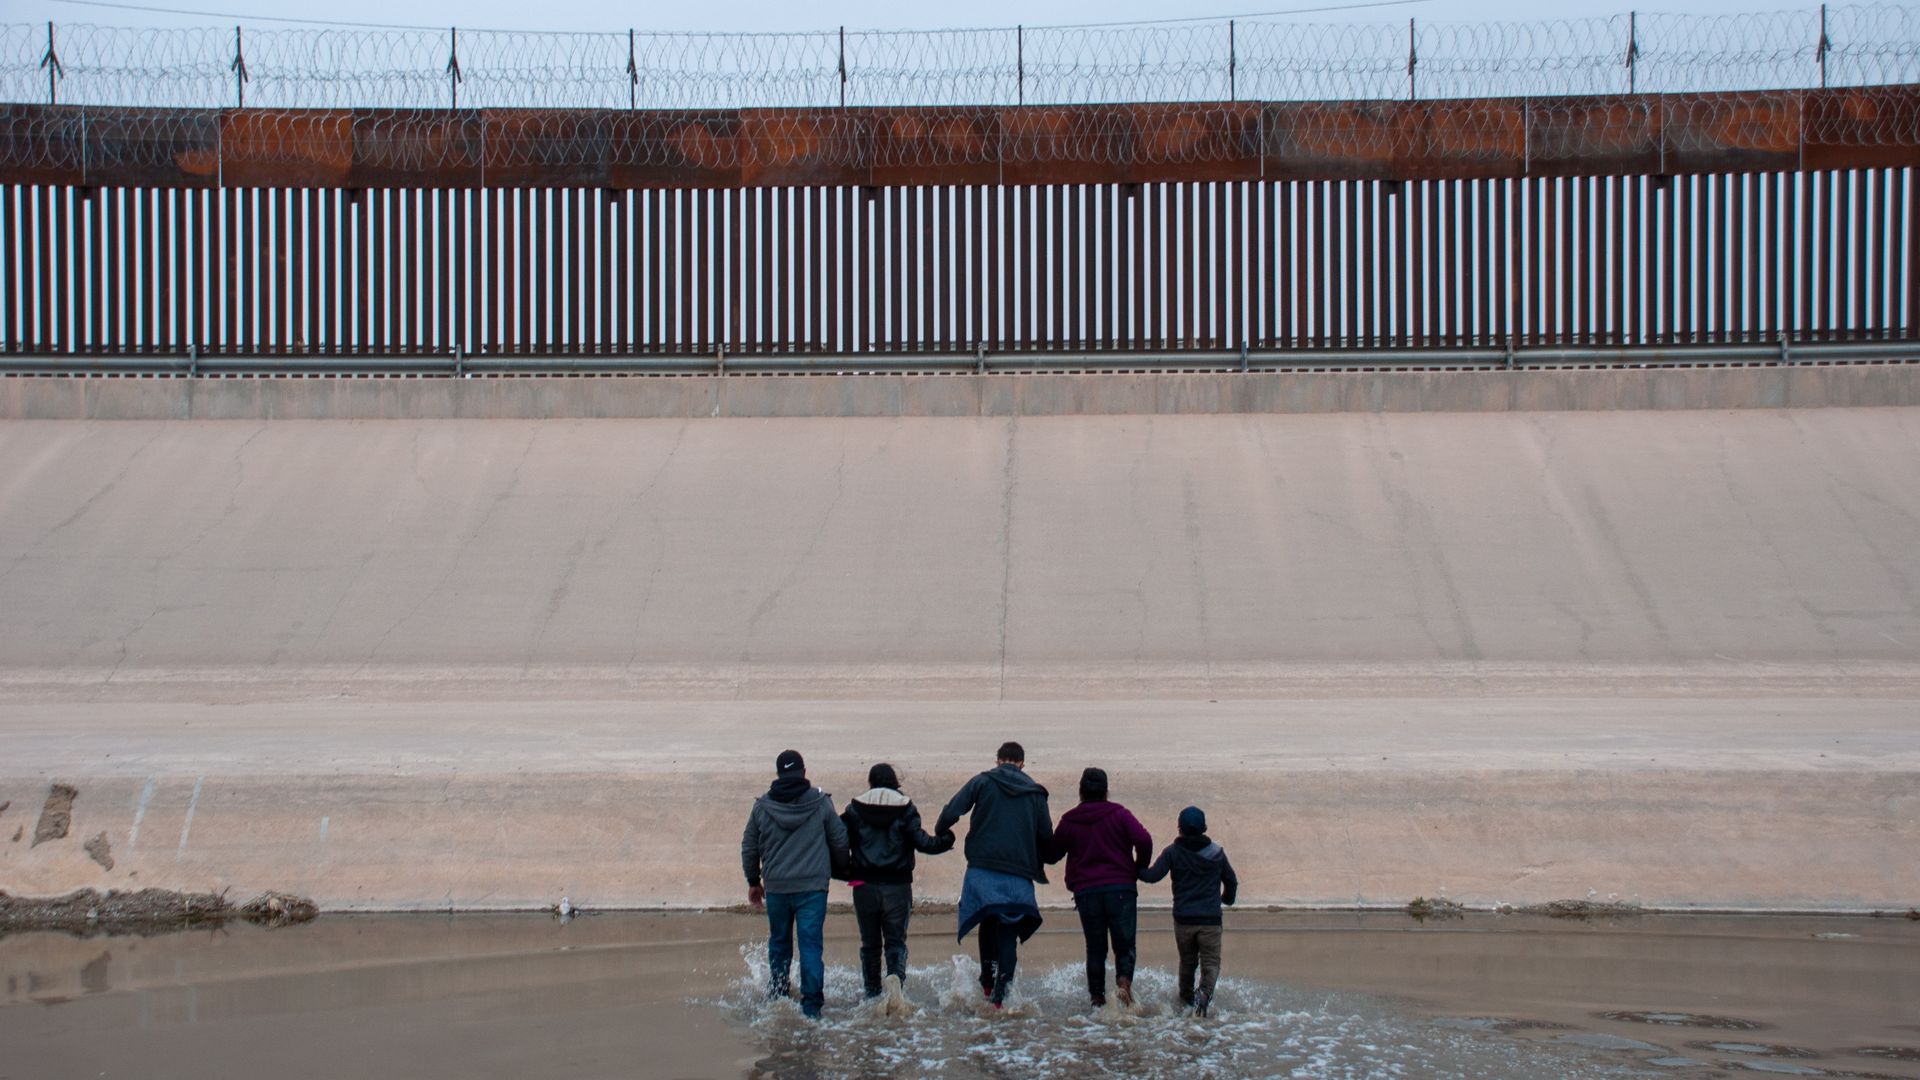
(1203, 880)
(1007, 837)
(884, 833)
(792, 846)
(1106, 847)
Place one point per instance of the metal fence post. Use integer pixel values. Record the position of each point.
(1633, 48)
(1233, 88)
(453, 67)
(843, 67)
(1020, 62)
(633, 74)
(1825, 46)
(51, 61)
(239, 68)
(1413, 62)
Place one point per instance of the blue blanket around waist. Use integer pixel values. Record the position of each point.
(1008, 898)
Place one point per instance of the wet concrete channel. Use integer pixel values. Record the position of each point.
(676, 995)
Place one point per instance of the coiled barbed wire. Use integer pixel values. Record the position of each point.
(1257, 59)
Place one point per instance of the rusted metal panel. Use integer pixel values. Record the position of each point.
(1859, 127)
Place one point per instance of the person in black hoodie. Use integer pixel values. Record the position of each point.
(884, 833)
(1007, 836)
(791, 848)
(1203, 880)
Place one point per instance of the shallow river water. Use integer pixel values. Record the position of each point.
(678, 995)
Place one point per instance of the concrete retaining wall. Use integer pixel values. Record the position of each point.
(544, 397)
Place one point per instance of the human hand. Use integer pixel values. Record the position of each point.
(756, 896)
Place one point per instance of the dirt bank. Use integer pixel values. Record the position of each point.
(89, 912)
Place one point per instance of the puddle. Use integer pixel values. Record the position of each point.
(1254, 1029)
(638, 995)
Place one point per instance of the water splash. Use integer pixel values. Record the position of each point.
(1256, 1029)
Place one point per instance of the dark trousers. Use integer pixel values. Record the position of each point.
(790, 916)
(1108, 917)
(1199, 948)
(882, 911)
(999, 955)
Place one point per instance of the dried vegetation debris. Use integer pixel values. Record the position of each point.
(86, 912)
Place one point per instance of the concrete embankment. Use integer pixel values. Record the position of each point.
(1752, 386)
(1668, 656)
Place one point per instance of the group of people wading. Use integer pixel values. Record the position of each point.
(795, 843)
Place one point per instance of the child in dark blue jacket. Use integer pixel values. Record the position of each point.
(1203, 880)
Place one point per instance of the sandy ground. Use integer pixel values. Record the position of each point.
(1504, 658)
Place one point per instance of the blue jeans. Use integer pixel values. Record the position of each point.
(806, 911)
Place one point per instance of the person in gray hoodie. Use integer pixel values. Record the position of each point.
(793, 845)
(1008, 835)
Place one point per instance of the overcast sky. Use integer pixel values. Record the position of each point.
(738, 15)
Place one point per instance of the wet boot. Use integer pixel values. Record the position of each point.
(1099, 1000)
(1123, 989)
(1201, 999)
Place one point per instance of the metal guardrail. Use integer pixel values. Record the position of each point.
(1778, 354)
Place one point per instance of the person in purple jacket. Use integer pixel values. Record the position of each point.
(1106, 848)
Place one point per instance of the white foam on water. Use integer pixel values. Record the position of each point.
(1255, 1029)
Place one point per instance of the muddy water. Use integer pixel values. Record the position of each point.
(677, 996)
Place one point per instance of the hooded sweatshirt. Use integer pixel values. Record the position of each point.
(1010, 829)
(883, 831)
(1203, 879)
(1105, 846)
(793, 841)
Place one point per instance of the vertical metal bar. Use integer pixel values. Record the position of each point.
(1180, 247)
(1027, 257)
(114, 240)
(443, 267)
(1726, 259)
(929, 300)
(1353, 196)
(1155, 296)
(1667, 194)
(1877, 317)
(977, 332)
(1073, 291)
(578, 235)
(1634, 224)
(278, 271)
(1107, 258)
(1446, 238)
(700, 288)
(1531, 323)
(519, 276)
(1770, 226)
(1056, 281)
(1692, 223)
(999, 241)
(1754, 235)
(541, 256)
(772, 270)
(1826, 267)
(42, 282)
(1483, 261)
(62, 263)
(408, 280)
(12, 263)
(365, 230)
(1503, 260)
(1906, 250)
(165, 284)
(895, 254)
(1420, 258)
(1222, 284)
(1861, 284)
(1270, 244)
(93, 256)
(1401, 272)
(853, 277)
(1803, 260)
(1566, 327)
(311, 319)
(746, 292)
(1616, 258)
(230, 233)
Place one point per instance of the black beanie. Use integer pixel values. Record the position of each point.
(1093, 785)
(882, 775)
